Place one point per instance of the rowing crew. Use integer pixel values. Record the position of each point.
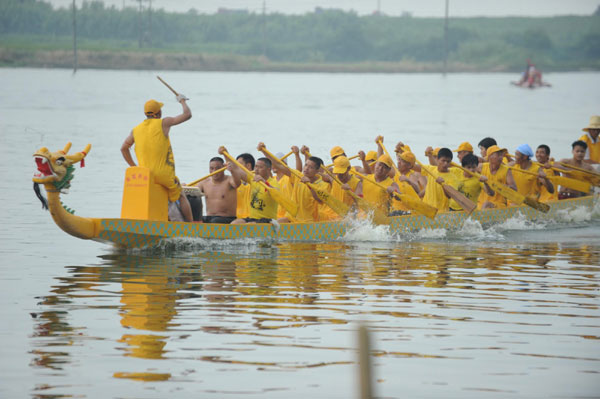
(268, 189)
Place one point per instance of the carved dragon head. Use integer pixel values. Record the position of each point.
(57, 167)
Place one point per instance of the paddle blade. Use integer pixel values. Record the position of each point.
(335, 204)
(540, 206)
(467, 205)
(507, 192)
(286, 203)
(417, 205)
(573, 184)
(379, 216)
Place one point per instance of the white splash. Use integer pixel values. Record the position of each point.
(519, 222)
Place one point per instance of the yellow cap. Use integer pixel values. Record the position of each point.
(466, 146)
(341, 164)
(336, 151)
(371, 156)
(409, 157)
(492, 149)
(386, 160)
(152, 107)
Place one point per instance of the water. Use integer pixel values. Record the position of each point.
(505, 311)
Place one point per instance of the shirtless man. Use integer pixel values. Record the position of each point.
(220, 193)
(579, 151)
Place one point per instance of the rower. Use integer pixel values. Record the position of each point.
(463, 149)
(527, 184)
(542, 155)
(483, 145)
(434, 194)
(579, 149)
(376, 195)
(468, 184)
(342, 168)
(494, 170)
(283, 180)
(262, 207)
(220, 194)
(243, 191)
(407, 180)
(304, 196)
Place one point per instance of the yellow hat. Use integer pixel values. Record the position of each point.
(466, 146)
(152, 107)
(594, 123)
(371, 156)
(409, 157)
(386, 160)
(341, 164)
(405, 148)
(336, 151)
(492, 149)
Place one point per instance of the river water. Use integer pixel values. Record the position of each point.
(505, 311)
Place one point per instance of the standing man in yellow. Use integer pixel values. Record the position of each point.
(153, 149)
(592, 154)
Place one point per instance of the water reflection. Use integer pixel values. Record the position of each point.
(293, 307)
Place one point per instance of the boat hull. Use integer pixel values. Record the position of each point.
(143, 233)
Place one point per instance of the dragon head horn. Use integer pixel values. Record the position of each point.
(78, 156)
(67, 148)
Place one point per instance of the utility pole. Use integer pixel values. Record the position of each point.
(74, 37)
(446, 38)
(264, 28)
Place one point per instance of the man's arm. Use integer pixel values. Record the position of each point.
(125, 150)
(176, 120)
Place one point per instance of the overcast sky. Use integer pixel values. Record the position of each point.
(418, 8)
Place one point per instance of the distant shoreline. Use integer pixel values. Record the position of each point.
(135, 60)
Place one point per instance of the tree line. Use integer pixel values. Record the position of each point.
(323, 36)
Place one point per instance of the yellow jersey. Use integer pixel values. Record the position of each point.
(434, 193)
(308, 207)
(498, 177)
(286, 188)
(527, 184)
(262, 205)
(243, 201)
(339, 193)
(471, 188)
(405, 188)
(593, 149)
(545, 196)
(376, 195)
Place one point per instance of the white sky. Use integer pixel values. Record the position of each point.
(418, 8)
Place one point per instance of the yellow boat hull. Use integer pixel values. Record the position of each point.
(143, 233)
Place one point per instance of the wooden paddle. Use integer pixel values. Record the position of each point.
(578, 185)
(166, 84)
(509, 193)
(379, 217)
(349, 159)
(415, 204)
(592, 177)
(289, 205)
(336, 205)
(207, 176)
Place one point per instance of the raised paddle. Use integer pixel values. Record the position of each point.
(289, 206)
(207, 176)
(509, 193)
(592, 177)
(466, 204)
(379, 217)
(349, 159)
(414, 204)
(336, 205)
(166, 84)
(574, 184)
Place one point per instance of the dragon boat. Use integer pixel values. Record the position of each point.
(144, 219)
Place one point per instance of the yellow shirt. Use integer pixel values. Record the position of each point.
(593, 150)
(262, 205)
(243, 201)
(339, 193)
(527, 184)
(308, 207)
(153, 150)
(469, 186)
(498, 177)
(434, 193)
(405, 188)
(376, 195)
(545, 196)
(286, 188)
